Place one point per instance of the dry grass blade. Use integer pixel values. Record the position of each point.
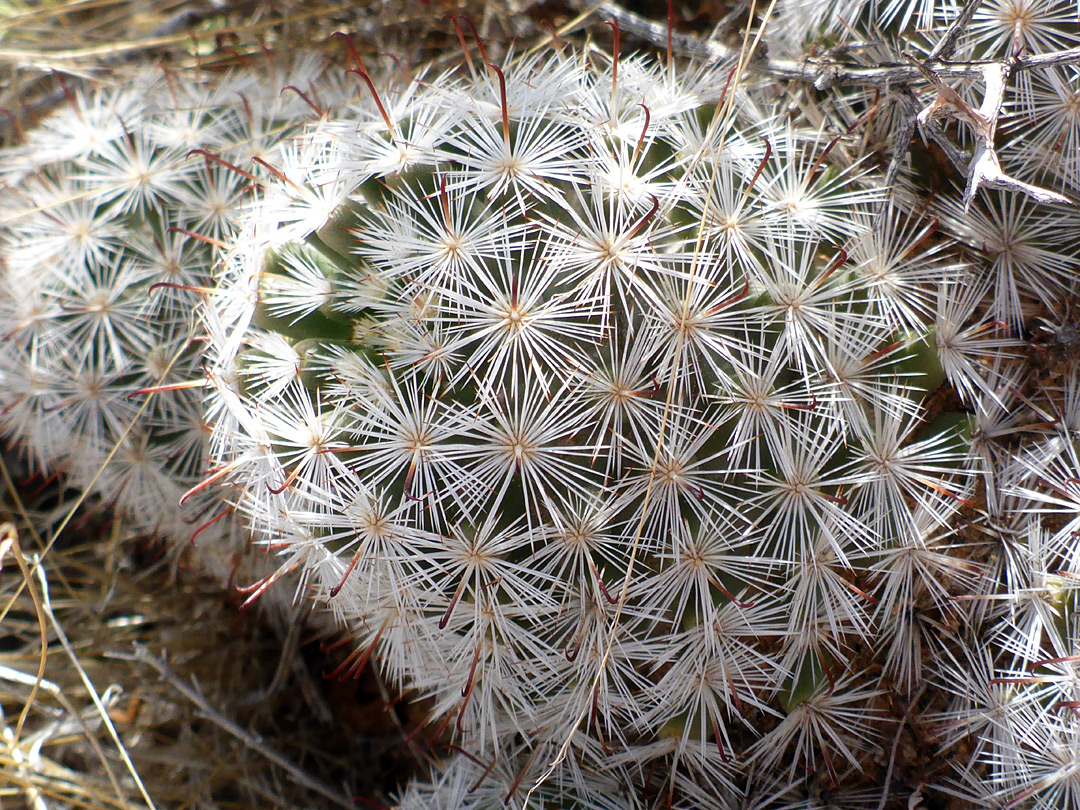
(37, 36)
(27, 763)
(89, 728)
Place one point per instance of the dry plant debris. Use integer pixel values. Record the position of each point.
(238, 716)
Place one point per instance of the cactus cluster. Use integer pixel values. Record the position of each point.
(110, 228)
(616, 405)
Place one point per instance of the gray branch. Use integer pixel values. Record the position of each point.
(982, 169)
(821, 71)
(945, 48)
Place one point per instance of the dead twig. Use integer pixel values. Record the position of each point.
(947, 44)
(984, 168)
(821, 71)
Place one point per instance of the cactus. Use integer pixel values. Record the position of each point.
(108, 243)
(587, 395)
(618, 406)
